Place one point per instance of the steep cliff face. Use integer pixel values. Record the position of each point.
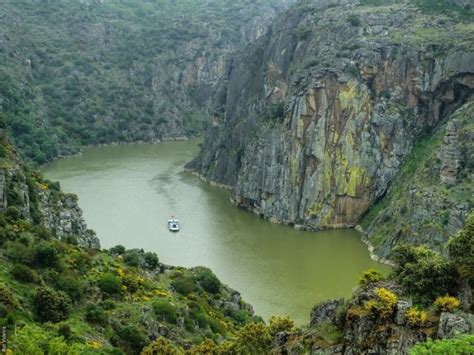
(26, 196)
(74, 73)
(312, 122)
(432, 193)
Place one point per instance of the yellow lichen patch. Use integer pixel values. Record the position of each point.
(347, 95)
(357, 178)
(314, 209)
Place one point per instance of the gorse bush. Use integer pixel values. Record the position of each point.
(447, 303)
(415, 317)
(384, 303)
(110, 284)
(23, 273)
(280, 324)
(209, 282)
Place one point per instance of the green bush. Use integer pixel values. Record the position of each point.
(183, 284)
(110, 285)
(50, 305)
(117, 250)
(96, 315)
(131, 283)
(370, 276)
(131, 338)
(165, 310)
(7, 299)
(132, 258)
(354, 20)
(24, 273)
(208, 280)
(151, 260)
(45, 255)
(462, 344)
(423, 273)
(71, 284)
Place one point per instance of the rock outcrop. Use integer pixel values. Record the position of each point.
(312, 123)
(361, 328)
(25, 195)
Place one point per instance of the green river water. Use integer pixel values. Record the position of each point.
(128, 192)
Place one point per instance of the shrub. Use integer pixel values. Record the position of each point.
(370, 276)
(254, 338)
(447, 303)
(461, 344)
(183, 284)
(19, 252)
(165, 310)
(13, 214)
(23, 273)
(7, 299)
(208, 281)
(110, 284)
(45, 255)
(96, 315)
(384, 304)
(415, 317)
(71, 284)
(131, 338)
(163, 346)
(117, 250)
(354, 20)
(131, 283)
(151, 260)
(280, 324)
(132, 258)
(423, 273)
(50, 305)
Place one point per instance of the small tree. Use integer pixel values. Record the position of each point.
(50, 305)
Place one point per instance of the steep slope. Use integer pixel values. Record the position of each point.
(89, 72)
(313, 121)
(26, 198)
(432, 193)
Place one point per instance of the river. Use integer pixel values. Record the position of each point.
(128, 192)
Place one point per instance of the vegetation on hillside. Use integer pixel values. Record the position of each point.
(74, 73)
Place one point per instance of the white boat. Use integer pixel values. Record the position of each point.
(173, 224)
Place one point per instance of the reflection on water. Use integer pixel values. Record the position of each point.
(128, 192)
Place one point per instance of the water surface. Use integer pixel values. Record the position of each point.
(128, 192)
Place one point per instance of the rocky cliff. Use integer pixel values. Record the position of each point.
(26, 196)
(74, 73)
(312, 122)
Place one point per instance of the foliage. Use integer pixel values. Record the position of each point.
(151, 260)
(131, 338)
(384, 304)
(23, 273)
(280, 324)
(461, 249)
(209, 282)
(110, 284)
(165, 310)
(446, 303)
(207, 347)
(370, 276)
(461, 344)
(415, 317)
(423, 273)
(50, 305)
(183, 284)
(161, 346)
(7, 299)
(354, 20)
(254, 338)
(96, 314)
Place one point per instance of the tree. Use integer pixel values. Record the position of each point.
(50, 305)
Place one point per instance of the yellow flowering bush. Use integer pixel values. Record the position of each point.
(384, 304)
(415, 317)
(447, 303)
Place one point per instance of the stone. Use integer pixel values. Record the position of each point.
(451, 324)
(325, 312)
(402, 307)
